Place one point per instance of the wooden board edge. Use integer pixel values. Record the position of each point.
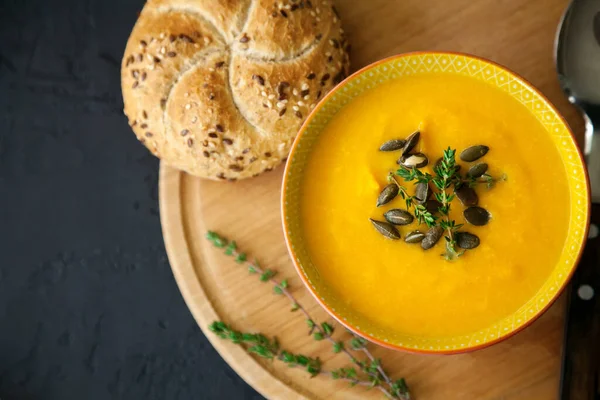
(194, 295)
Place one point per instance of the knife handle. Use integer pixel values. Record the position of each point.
(580, 378)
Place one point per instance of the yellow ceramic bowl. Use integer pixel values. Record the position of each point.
(412, 65)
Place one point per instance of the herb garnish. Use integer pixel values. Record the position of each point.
(421, 213)
(446, 175)
(485, 179)
(368, 372)
(449, 184)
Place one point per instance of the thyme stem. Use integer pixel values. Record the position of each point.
(395, 390)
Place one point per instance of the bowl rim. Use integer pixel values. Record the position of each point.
(375, 340)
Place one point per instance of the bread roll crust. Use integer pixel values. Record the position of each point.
(219, 88)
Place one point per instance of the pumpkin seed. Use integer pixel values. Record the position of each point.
(474, 153)
(433, 206)
(411, 142)
(466, 240)
(477, 216)
(386, 229)
(418, 160)
(414, 237)
(467, 195)
(393, 145)
(387, 194)
(422, 192)
(477, 170)
(398, 217)
(432, 236)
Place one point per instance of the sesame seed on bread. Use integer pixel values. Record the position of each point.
(219, 88)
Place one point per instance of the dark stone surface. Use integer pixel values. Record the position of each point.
(88, 305)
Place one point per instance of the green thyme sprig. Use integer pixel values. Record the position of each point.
(420, 211)
(446, 171)
(376, 376)
(486, 179)
(451, 227)
(269, 348)
(256, 343)
(447, 175)
(414, 174)
(265, 347)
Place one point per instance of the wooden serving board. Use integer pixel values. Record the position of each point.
(516, 33)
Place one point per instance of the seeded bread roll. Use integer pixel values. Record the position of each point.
(219, 88)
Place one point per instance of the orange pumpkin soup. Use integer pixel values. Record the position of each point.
(399, 286)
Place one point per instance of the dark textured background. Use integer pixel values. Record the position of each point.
(88, 305)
